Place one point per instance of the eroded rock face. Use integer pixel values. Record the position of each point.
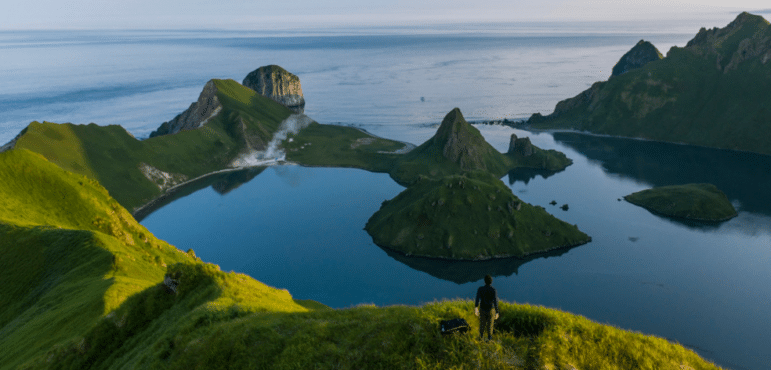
(278, 84)
(207, 106)
(641, 54)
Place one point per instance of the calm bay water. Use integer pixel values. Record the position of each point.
(706, 286)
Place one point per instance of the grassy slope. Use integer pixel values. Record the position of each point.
(471, 216)
(79, 292)
(112, 156)
(703, 202)
(338, 146)
(70, 254)
(684, 98)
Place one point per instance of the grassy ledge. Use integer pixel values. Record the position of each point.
(699, 202)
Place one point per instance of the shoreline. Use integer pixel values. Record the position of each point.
(144, 210)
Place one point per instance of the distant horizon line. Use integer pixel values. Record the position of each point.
(316, 25)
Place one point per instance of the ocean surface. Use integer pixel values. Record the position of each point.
(705, 286)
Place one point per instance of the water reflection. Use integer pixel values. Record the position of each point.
(222, 183)
(526, 174)
(742, 176)
(462, 272)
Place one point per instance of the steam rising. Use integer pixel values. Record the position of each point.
(274, 153)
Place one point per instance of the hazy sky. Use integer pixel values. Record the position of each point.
(260, 14)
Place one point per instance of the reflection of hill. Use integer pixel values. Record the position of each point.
(461, 272)
(222, 183)
(527, 174)
(742, 176)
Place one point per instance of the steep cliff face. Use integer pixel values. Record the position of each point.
(641, 54)
(206, 107)
(278, 84)
(712, 92)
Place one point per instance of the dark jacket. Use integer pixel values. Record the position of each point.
(487, 298)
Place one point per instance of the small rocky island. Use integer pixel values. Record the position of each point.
(470, 216)
(699, 202)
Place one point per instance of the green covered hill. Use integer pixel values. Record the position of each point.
(701, 202)
(82, 287)
(713, 92)
(473, 216)
(137, 171)
(459, 147)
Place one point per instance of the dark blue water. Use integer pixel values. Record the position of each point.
(703, 285)
(706, 286)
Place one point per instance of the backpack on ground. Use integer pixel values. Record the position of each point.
(453, 326)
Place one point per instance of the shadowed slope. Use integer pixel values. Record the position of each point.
(713, 92)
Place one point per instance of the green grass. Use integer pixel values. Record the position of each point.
(362, 337)
(81, 288)
(470, 216)
(682, 98)
(112, 156)
(703, 202)
(69, 255)
(338, 146)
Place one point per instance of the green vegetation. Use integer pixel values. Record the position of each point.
(113, 157)
(339, 146)
(69, 254)
(455, 148)
(81, 286)
(712, 93)
(702, 202)
(473, 216)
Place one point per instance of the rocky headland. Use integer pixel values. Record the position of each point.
(712, 92)
(278, 84)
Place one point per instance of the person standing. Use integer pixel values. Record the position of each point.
(486, 301)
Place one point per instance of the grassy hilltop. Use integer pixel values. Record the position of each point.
(81, 287)
(713, 92)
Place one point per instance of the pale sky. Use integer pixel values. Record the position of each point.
(260, 14)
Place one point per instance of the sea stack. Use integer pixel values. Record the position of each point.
(278, 84)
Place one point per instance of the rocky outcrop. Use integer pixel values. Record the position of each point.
(521, 146)
(641, 54)
(278, 84)
(163, 180)
(207, 106)
(745, 38)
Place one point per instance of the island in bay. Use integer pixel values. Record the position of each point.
(700, 202)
